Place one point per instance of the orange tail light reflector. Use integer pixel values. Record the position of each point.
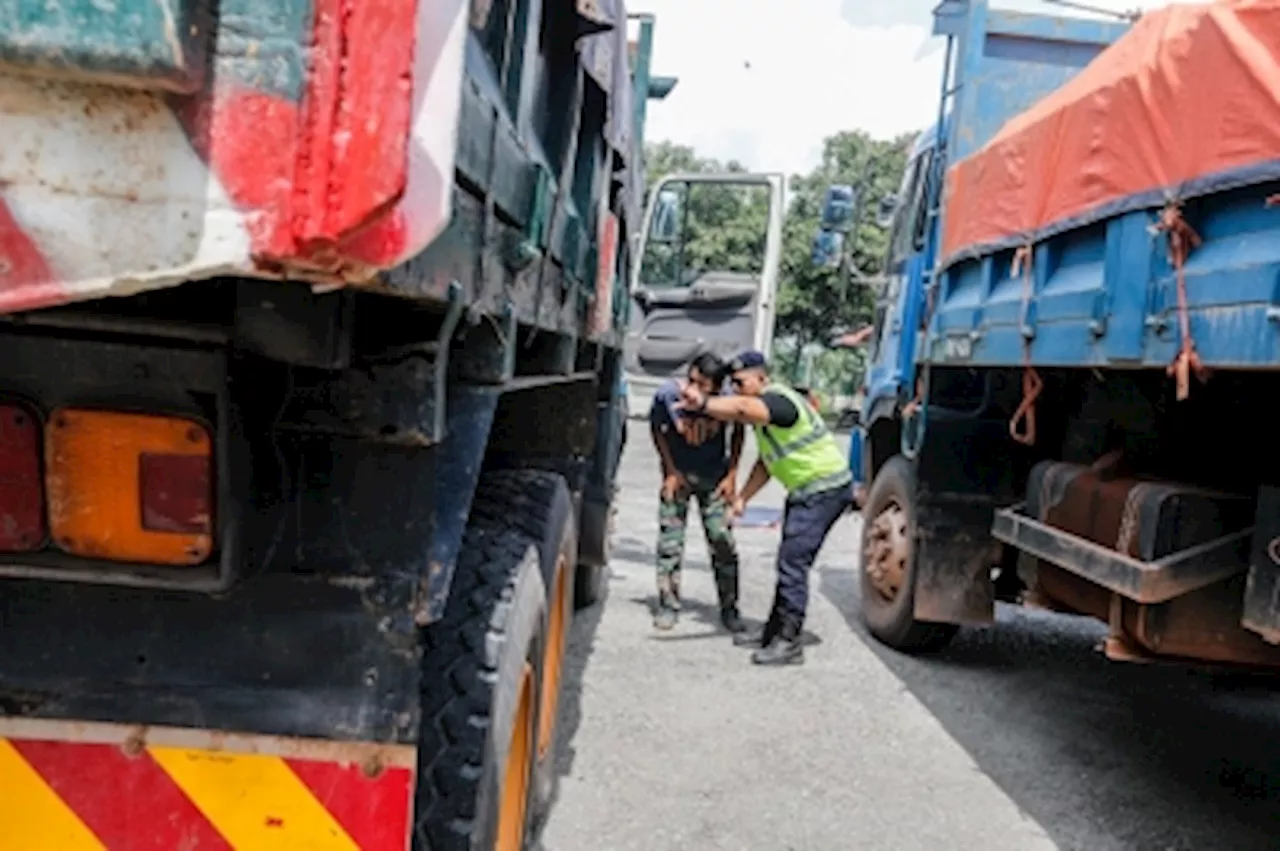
(129, 487)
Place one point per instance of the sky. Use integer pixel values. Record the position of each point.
(765, 81)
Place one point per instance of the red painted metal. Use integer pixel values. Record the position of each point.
(250, 141)
(21, 263)
(372, 122)
(373, 810)
(310, 176)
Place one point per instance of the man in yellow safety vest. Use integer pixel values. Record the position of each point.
(797, 449)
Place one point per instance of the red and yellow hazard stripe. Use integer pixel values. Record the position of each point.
(67, 786)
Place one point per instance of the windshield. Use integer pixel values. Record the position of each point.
(703, 228)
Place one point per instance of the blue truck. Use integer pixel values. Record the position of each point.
(1121, 497)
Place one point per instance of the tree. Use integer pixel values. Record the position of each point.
(664, 158)
(814, 302)
(726, 227)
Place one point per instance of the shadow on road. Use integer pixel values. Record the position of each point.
(582, 638)
(1102, 755)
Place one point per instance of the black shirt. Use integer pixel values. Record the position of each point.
(783, 413)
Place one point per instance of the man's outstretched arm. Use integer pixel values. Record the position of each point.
(735, 409)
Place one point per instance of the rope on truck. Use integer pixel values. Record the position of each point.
(1182, 241)
(1022, 426)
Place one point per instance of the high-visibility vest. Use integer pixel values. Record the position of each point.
(804, 457)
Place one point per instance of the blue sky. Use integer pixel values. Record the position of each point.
(764, 81)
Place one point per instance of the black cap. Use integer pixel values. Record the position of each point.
(750, 359)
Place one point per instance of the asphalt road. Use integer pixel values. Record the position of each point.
(1019, 736)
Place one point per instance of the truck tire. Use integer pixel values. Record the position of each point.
(540, 505)
(480, 691)
(888, 564)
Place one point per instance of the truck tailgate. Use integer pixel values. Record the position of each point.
(151, 143)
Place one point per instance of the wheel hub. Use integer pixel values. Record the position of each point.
(886, 551)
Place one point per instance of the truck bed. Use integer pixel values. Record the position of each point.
(1057, 245)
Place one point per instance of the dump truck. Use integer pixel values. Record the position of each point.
(1069, 400)
(311, 408)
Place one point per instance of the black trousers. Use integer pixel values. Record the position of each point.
(805, 525)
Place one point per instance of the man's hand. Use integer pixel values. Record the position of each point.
(739, 507)
(672, 484)
(727, 488)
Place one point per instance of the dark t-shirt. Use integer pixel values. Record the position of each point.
(782, 411)
(708, 461)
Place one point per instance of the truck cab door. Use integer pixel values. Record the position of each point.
(900, 303)
(709, 252)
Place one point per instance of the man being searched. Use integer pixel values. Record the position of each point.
(796, 449)
(695, 464)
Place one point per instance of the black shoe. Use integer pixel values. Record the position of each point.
(781, 651)
(752, 637)
(732, 621)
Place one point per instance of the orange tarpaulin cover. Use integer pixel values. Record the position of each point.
(1187, 102)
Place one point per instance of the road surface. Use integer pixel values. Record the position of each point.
(1018, 737)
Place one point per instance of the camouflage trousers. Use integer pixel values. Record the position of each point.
(673, 515)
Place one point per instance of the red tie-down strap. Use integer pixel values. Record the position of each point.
(1182, 241)
(1022, 426)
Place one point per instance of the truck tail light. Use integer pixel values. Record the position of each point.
(129, 487)
(22, 526)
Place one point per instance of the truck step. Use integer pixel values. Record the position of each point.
(1149, 541)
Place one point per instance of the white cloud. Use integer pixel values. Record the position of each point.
(764, 81)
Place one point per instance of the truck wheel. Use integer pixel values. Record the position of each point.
(888, 563)
(482, 663)
(541, 505)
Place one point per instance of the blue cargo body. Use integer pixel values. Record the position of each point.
(1105, 293)
(999, 64)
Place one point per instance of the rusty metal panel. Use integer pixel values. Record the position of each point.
(1201, 626)
(1146, 582)
(1262, 592)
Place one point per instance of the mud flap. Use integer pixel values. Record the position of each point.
(954, 556)
(966, 468)
(1262, 591)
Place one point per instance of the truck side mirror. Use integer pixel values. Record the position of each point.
(665, 227)
(888, 206)
(828, 249)
(839, 207)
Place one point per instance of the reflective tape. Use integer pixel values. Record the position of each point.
(111, 789)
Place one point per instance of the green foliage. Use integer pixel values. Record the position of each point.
(727, 230)
(724, 226)
(813, 302)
